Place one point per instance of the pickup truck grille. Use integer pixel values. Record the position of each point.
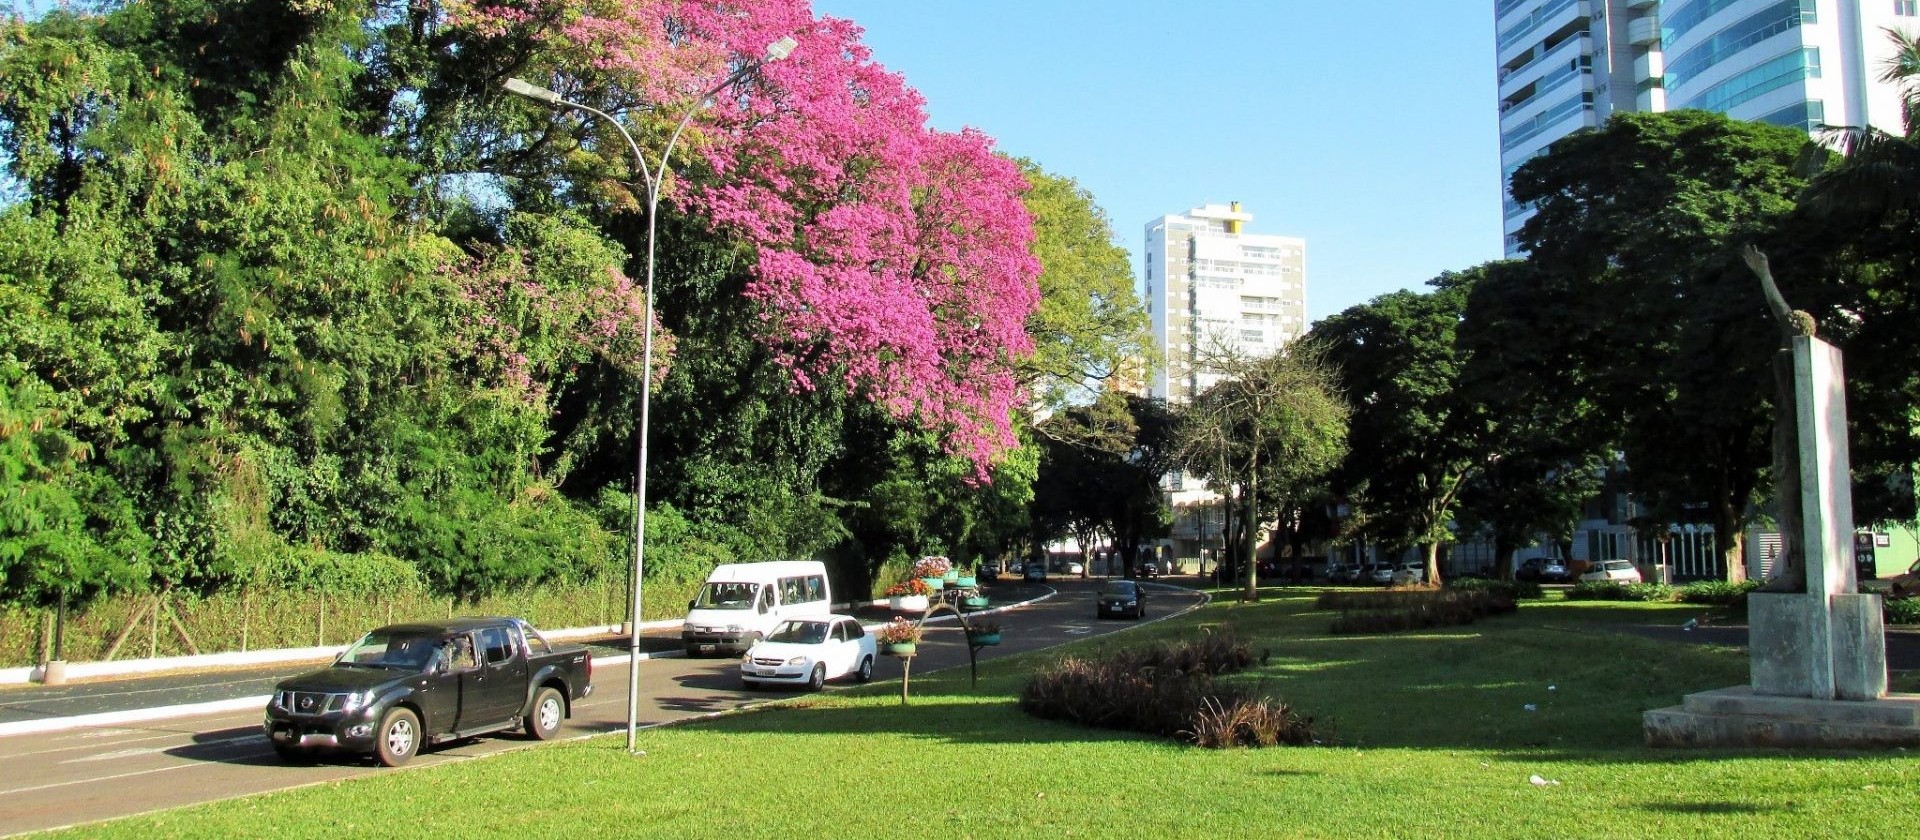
(311, 702)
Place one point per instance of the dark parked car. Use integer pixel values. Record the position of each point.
(1147, 569)
(1543, 569)
(1035, 571)
(989, 571)
(1342, 573)
(405, 686)
(1122, 597)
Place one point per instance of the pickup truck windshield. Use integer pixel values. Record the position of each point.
(727, 596)
(392, 650)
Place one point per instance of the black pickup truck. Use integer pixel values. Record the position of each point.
(409, 685)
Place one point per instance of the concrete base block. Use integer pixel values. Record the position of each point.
(1779, 652)
(1859, 648)
(1738, 717)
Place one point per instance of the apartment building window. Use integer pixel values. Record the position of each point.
(1906, 8)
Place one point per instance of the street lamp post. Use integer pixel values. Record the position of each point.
(655, 176)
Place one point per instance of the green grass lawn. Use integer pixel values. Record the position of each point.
(1432, 734)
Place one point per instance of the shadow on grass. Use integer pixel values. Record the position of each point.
(1730, 808)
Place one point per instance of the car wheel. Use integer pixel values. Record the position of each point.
(818, 680)
(399, 737)
(865, 672)
(549, 709)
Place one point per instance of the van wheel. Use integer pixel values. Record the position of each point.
(819, 679)
(548, 710)
(865, 672)
(399, 737)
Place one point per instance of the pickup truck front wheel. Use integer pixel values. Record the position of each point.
(399, 737)
(549, 709)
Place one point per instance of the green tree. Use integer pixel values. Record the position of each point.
(1090, 325)
(1636, 231)
(1272, 428)
(1416, 437)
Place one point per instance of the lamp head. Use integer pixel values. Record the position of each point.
(780, 49)
(532, 91)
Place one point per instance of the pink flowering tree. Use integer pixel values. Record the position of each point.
(885, 253)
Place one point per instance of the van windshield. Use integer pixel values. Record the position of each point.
(727, 596)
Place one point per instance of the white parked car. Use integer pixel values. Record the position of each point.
(1618, 571)
(809, 651)
(1410, 572)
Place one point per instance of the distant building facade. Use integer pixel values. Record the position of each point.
(1564, 65)
(1208, 280)
(1210, 284)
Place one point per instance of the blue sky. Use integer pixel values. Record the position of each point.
(1367, 128)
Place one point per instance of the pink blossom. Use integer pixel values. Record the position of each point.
(890, 255)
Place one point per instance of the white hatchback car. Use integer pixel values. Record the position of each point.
(1618, 571)
(809, 650)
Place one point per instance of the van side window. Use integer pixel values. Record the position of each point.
(816, 588)
(793, 590)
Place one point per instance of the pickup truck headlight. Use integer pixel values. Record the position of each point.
(357, 700)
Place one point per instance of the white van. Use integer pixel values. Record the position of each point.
(741, 603)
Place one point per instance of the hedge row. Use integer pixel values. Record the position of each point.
(259, 619)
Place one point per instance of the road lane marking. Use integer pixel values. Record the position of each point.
(139, 751)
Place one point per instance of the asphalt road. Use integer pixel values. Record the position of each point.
(89, 774)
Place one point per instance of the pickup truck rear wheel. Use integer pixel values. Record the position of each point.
(549, 709)
(399, 737)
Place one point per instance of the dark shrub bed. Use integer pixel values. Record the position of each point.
(1390, 612)
(1167, 690)
(1610, 590)
(1717, 591)
(1513, 589)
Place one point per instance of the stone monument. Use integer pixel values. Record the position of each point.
(1818, 653)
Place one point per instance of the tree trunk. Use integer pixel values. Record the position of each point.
(1433, 563)
(1253, 530)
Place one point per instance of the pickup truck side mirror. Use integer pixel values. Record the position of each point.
(691, 602)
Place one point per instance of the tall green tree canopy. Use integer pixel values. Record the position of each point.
(1636, 234)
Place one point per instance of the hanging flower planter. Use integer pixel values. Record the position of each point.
(934, 583)
(966, 582)
(908, 603)
(898, 637)
(973, 602)
(983, 639)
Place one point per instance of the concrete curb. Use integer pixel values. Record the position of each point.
(77, 670)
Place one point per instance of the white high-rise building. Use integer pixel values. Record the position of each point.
(1208, 282)
(1570, 64)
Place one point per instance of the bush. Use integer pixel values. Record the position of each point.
(1610, 590)
(1902, 611)
(1167, 690)
(1717, 591)
(1419, 611)
(1513, 589)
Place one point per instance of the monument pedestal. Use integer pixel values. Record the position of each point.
(1818, 657)
(1737, 717)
